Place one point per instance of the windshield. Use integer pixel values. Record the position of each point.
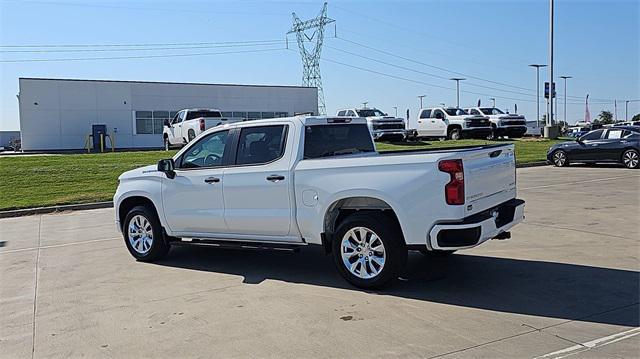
(370, 113)
(333, 140)
(491, 111)
(455, 111)
(197, 114)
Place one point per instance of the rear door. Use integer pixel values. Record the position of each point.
(489, 177)
(611, 147)
(257, 188)
(424, 122)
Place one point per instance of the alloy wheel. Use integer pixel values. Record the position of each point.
(363, 253)
(559, 158)
(630, 159)
(140, 234)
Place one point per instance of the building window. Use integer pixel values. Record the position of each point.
(227, 114)
(282, 114)
(240, 114)
(151, 122)
(267, 115)
(254, 116)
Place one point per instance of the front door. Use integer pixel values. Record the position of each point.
(193, 201)
(588, 147)
(257, 188)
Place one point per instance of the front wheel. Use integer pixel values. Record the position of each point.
(631, 159)
(455, 134)
(143, 235)
(369, 250)
(559, 158)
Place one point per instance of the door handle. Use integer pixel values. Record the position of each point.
(211, 180)
(275, 178)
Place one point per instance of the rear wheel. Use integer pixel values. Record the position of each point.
(559, 158)
(455, 134)
(369, 250)
(143, 235)
(631, 159)
(191, 135)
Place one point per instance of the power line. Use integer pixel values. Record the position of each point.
(138, 57)
(145, 44)
(47, 51)
(452, 71)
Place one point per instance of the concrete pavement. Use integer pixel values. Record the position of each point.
(569, 277)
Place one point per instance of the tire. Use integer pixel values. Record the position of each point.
(138, 220)
(454, 134)
(631, 159)
(436, 253)
(191, 135)
(492, 136)
(167, 145)
(381, 257)
(559, 158)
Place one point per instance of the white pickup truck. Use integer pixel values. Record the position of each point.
(452, 123)
(189, 123)
(381, 126)
(298, 181)
(502, 124)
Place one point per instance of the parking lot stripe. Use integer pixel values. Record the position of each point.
(600, 342)
(577, 182)
(58, 245)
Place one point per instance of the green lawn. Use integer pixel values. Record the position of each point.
(35, 181)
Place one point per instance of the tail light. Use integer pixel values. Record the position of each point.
(454, 190)
(202, 124)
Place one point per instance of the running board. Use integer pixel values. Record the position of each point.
(292, 247)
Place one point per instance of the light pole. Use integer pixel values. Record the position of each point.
(457, 80)
(549, 132)
(565, 97)
(421, 97)
(626, 110)
(364, 104)
(538, 66)
(494, 101)
(396, 108)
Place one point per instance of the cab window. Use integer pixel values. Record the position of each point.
(474, 112)
(438, 114)
(207, 152)
(261, 144)
(425, 114)
(341, 113)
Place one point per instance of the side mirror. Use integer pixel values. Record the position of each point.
(167, 167)
(167, 123)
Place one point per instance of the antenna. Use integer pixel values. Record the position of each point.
(311, 59)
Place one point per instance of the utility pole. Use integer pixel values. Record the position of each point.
(626, 110)
(396, 108)
(457, 80)
(565, 96)
(549, 130)
(538, 66)
(421, 97)
(494, 101)
(615, 110)
(311, 59)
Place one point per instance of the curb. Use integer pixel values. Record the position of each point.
(533, 164)
(54, 209)
(96, 205)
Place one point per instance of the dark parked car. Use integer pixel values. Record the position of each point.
(614, 144)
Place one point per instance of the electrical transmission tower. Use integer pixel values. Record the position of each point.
(311, 59)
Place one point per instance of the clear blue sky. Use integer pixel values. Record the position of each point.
(597, 42)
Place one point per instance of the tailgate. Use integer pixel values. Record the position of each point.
(489, 177)
(213, 122)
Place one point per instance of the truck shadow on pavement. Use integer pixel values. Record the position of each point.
(545, 289)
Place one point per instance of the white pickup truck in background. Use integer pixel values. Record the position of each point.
(381, 125)
(298, 181)
(189, 123)
(502, 124)
(452, 123)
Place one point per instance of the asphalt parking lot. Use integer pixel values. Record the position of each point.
(567, 283)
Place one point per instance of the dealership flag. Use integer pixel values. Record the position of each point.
(587, 115)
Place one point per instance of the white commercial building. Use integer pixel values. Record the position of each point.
(59, 114)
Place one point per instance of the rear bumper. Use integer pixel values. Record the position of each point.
(476, 229)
